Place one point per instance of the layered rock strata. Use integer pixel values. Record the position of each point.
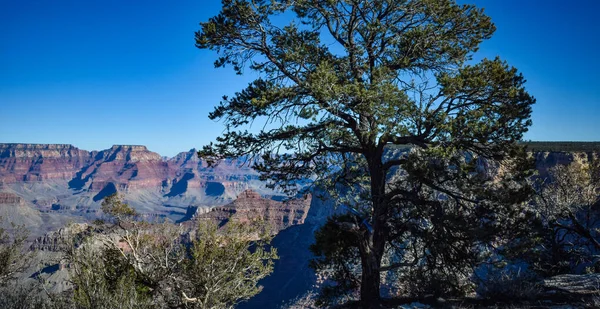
(59, 240)
(250, 206)
(126, 167)
(39, 162)
(10, 198)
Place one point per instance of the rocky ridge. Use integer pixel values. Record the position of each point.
(58, 180)
(250, 206)
(39, 162)
(127, 166)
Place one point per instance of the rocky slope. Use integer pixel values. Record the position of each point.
(15, 211)
(125, 166)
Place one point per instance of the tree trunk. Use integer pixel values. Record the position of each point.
(373, 244)
(369, 288)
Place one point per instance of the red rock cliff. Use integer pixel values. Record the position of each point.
(38, 162)
(127, 166)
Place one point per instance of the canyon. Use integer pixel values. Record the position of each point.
(50, 184)
(45, 186)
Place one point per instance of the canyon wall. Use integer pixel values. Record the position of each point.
(62, 182)
(38, 162)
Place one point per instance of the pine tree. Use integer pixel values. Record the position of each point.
(343, 82)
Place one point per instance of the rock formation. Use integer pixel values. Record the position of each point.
(125, 166)
(38, 162)
(250, 206)
(61, 179)
(16, 212)
(548, 159)
(45, 186)
(10, 198)
(59, 240)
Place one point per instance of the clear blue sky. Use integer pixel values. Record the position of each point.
(95, 73)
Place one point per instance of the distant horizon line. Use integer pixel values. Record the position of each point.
(537, 146)
(62, 145)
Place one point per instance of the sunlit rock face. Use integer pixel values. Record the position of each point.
(250, 206)
(127, 167)
(546, 159)
(550, 154)
(39, 162)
